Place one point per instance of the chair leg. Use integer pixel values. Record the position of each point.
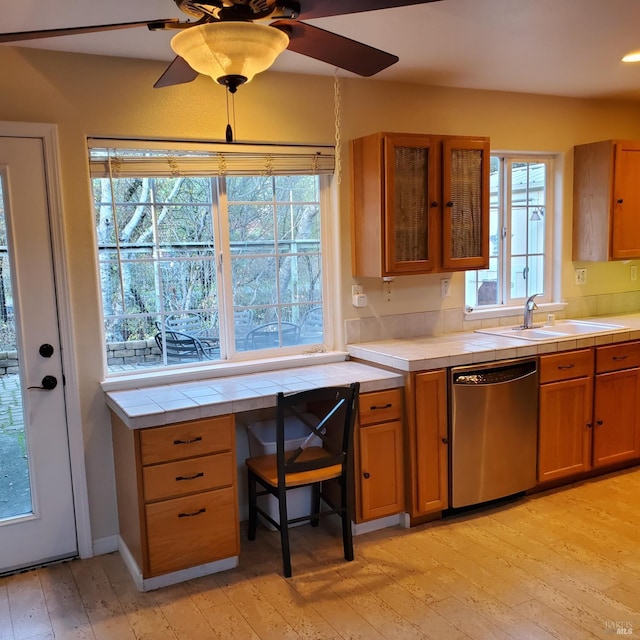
(315, 503)
(347, 533)
(253, 513)
(284, 533)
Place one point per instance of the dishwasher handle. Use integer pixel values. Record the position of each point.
(495, 375)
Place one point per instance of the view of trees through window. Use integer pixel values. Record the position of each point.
(519, 221)
(201, 268)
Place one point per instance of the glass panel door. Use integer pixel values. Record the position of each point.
(37, 518)
(15, 488)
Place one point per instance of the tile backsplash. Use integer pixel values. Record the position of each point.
(429, 323)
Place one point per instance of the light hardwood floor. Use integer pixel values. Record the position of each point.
(564, 565)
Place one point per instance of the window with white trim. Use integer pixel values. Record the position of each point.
(521, 214)
(209, 255)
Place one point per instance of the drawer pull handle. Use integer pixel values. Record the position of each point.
(193, 477)
(196, 439)
(190, 515)
(619, 358)
(386, 406)
(566, 366)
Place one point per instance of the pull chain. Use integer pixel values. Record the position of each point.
(338, 124)
(229, 130)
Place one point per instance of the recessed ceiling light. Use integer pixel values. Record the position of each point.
(634, 56)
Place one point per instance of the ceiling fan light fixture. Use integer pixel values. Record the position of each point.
(231, 53)
(633, 56)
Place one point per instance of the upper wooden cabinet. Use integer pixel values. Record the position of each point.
(420, 204)
(606, 201)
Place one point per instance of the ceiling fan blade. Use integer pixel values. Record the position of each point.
(72, 31)
(324, 8)
(334, 49)
(178, 72)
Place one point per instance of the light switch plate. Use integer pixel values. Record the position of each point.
(581, 276)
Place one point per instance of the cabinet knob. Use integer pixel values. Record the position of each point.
(445, 440)
(619, 200)
(589, 425)
(449, 204)
(366, 475)
(599, 423)
(434, 204)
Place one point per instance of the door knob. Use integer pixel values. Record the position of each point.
(45, 350)
(48, 383)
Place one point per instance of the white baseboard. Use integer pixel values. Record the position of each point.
(148, 584)
(380, 523)
(101, 546)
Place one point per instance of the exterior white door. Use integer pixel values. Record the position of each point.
(37, 520)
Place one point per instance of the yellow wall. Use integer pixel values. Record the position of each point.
(98, 96)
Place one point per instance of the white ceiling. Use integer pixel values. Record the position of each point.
(556, 47)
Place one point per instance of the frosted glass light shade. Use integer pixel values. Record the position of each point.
(236, 49)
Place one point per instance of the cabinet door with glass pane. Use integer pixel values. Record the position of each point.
(411, 204)
(465, 200)
(396, 207)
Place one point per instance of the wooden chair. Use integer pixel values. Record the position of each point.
(273, 334)
(328, 469)
(181, 347)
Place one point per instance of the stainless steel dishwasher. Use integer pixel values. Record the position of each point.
(493, 430)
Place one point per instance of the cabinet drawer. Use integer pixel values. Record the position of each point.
(563, 366)
(173, 479)
(187, 439)
(617, 356)
(380, 406)
(185, 532)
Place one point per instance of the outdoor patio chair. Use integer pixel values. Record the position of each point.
(312, 326)
(189, 322)
(273, 334)
(181, 347)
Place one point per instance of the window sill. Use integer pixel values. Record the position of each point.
(508, 312)
(143, 379)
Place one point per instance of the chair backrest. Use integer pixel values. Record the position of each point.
(180, 347)
(188, 322)
(273, 334)
(334, 409)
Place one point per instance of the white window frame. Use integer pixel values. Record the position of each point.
(551, 299)
(261, 159)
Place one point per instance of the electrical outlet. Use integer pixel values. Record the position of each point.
(633, 273)
(356, 290)
(581, 276)
(445, 285)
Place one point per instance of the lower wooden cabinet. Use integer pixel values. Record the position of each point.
(589, 409)
(428, 444)
(177, 493)
(379, 468)
(616, 425)
(565, 414)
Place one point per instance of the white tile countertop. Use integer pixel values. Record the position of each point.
(180, 401)
(469, 347)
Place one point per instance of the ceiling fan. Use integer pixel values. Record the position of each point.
(232, 40)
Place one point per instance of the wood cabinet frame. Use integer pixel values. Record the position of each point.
(373, 221)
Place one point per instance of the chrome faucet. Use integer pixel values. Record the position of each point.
(529, 307)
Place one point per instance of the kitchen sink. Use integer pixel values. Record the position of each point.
(557, 331)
